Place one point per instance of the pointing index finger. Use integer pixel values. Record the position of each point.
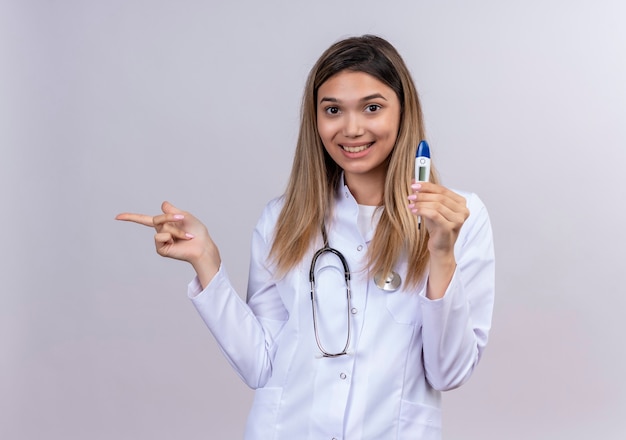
(142, 219)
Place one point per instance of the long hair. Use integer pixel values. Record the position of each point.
(315, 176)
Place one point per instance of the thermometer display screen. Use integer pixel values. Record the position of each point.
(422, 177)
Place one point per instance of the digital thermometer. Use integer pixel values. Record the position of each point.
(422, 167)
(422, 162)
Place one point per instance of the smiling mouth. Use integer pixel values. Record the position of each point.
(356, 149)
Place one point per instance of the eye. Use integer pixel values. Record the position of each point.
(371, 108)
(332, 110)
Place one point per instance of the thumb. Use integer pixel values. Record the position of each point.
(168, 208)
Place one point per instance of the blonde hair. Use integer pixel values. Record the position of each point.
(315, 176)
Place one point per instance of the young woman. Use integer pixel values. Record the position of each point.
(369, 293)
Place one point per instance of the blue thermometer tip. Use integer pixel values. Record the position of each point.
(423, 150)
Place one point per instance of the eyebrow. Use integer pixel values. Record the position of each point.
(365, 98)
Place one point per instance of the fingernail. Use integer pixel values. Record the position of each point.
(188, 235)
(416, 186)
(179, 216)
(412, 197)
(411, 206)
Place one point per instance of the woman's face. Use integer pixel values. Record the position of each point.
(358, 118)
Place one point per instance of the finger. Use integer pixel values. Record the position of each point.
(448, 203)
(451, 206)
(441, 195)
(176, 232)
(162, 241)
(162, 238)
(161, 219)
(141, 219)
(443, 210)
(432, 188)
(440, 213)
(168, 208)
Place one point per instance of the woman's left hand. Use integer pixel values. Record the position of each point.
(443, 213)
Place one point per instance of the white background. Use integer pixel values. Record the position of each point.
(111, 106)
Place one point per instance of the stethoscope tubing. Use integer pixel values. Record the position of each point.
(389, 283)
(320, 252)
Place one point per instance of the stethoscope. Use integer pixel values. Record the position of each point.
(389, 283)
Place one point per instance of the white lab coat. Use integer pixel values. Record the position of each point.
(404, 350)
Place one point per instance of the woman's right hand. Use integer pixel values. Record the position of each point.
(181, 236)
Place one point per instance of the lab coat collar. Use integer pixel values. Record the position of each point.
(347, 209)
(345, 200)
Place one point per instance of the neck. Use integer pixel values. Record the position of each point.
(366, 189)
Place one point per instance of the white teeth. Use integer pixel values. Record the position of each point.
(356, 149)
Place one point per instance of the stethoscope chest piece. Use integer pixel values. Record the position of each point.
(391, 283)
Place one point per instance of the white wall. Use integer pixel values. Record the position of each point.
(118, 105)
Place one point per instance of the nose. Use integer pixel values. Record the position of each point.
(353, 126)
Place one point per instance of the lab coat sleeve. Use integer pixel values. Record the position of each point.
(246, 331)
(455, 328)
